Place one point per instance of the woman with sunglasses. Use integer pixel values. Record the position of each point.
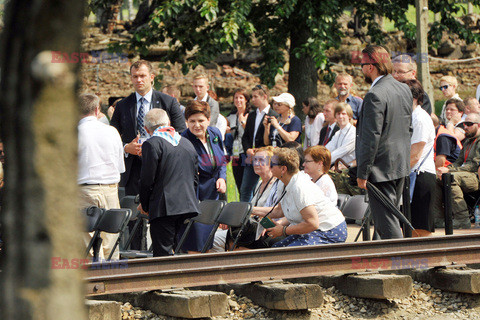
(448, 85)
(310, 218)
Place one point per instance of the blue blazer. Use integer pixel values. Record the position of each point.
(209, 174)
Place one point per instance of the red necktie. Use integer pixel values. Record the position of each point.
(325, 141)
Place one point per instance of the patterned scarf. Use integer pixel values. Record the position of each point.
(168, 133)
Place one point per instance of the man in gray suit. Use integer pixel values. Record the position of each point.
(383, 137)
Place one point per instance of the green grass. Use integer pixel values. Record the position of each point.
(232, 192)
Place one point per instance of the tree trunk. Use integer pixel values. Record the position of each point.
(131, 16)
(145, 9)
(38, 116)
(302, 76)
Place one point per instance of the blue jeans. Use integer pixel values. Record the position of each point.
(249, 181)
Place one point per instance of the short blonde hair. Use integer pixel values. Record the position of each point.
(201, 76)
(342, 106)
(450, 80)
(289, 158)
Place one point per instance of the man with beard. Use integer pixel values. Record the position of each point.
(465, 179)
(383, 137)
(344, 84)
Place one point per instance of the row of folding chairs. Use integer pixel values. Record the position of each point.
(216, 212)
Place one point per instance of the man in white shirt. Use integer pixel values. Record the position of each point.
(253, 138)
(100, 163)
(201, 87)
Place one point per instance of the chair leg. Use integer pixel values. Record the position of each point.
(237, 237)
(210, 238)
(184, 236)
(90, 244)
(132, 234)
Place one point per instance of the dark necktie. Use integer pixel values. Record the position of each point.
(140, 118)
(325, 141)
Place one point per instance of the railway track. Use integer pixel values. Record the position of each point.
(280, 263)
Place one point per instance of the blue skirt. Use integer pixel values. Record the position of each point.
(334, 235)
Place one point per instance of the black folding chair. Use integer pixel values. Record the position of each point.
(342, 200)
(121, 193)
(234, 214)
(354, 208)
(111, 221)
(209, 212)
(92, 214)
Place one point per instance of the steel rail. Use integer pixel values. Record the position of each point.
(280, 263)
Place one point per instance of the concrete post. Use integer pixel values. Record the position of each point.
(423, 73)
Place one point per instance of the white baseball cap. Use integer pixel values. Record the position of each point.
(285, 98)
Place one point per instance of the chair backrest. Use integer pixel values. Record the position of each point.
(113, 220)
(355, 207)
(121, 193)
(209, 211)
(342, 200)
(234, 214)
(128, 202)
(92, 215)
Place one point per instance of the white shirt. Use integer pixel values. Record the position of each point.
(325, 183)
(423, 131)
(478, 93)
(100, 153)
(221, 125)
(301, 192)
(376, 80)
(259, 118)
(342, 145)
(312, 131)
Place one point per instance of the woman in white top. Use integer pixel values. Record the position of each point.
(310, 217)
(317, 162)
(422, 164)
(313, 121)
(342, 145)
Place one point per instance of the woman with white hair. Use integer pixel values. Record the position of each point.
(287, 127)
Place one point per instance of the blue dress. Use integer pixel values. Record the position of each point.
(208, 173)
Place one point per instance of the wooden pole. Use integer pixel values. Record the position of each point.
(423, 72)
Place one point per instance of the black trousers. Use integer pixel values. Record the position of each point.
(164, 233)
(386, 224)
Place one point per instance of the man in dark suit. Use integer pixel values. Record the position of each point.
(253, 138)
(383, 137)
(128, 118)
(330, 126)
(130, 125)
(168, 181)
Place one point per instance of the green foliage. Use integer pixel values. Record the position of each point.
(200, 30)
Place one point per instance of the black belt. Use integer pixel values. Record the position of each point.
(98, 184)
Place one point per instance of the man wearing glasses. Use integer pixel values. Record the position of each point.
(405, 68)
(465, 179)
(383, 137)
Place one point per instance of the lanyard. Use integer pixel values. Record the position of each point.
(263, 191)
(278, 201)
(467, 152)
(210, 151)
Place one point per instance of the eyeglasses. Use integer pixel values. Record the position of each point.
(401, 72)
(469, 123)
(445, 87)
(259, 87)
(365, 64)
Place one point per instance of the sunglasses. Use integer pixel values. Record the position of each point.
(365, 64)
(469, 123)
(445, 87)
(259, 87)
(273, 164)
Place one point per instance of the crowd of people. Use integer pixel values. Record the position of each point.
(174, 156)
